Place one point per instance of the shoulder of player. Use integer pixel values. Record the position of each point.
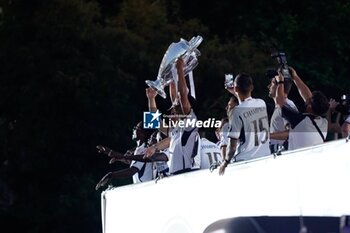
(290, 103)
(261, 101)
(254, 102)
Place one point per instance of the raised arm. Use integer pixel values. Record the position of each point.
(185, 103)
(280, 94)
(173, 92)
(151, 97)
(303, 89)
(152, 105)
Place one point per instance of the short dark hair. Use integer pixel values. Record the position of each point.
(319, 103)
(147, 132)
(244, 83)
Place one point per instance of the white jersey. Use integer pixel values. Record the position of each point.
(184, 146)
(210, 153)
(250, 125)
(145, 170)
(303, 132)
(278, 123)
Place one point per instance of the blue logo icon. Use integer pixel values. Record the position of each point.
(151, 120)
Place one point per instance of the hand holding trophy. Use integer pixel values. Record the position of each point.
(188, 51)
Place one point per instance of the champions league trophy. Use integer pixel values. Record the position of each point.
(188, 51)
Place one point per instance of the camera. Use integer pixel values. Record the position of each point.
(282, 61)
(228, 81)
(344, 106)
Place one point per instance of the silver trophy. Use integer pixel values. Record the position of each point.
(188, 51)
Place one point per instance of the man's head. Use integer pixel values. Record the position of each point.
(318, 104)
(243, 84)
(273, 86)
(139, 133)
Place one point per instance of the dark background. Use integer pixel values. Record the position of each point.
(73, 74)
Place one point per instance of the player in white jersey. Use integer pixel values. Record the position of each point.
(310, 128)
(279, 126)
(140, 171)
(249, 124)
(183, 140)
(210, 154)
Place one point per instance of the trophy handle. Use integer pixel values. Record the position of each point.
(156, 85)
(196, 41)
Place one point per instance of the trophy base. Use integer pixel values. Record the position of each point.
(156, 87)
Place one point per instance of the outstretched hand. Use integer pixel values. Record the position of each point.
(149, 152)
(151, 93)
(104, 150)
(104, 180)
(115, 156)
(332, 104)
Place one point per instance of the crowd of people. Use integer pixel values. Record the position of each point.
(246, 132)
